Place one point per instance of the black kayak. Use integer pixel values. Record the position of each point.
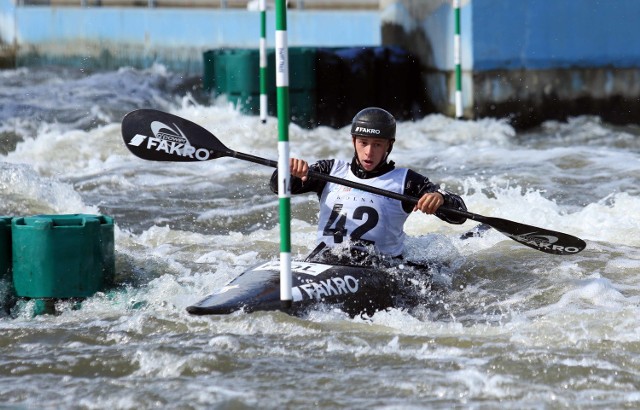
(357, 284)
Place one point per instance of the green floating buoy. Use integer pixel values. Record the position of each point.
(5, 246)
(62, 256)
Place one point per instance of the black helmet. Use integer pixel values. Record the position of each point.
(374, 122)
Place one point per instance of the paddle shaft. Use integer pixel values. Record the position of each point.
(356, 185)
(566, 244)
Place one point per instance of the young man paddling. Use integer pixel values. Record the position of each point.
(361, 218)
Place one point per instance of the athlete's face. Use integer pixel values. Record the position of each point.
(370, 151)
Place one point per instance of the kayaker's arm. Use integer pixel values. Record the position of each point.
(311, 184)
(417, 185)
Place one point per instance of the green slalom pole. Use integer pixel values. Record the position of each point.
(284, 174)
(457, 46)
(263, 61)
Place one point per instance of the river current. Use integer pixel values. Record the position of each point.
(517, 329)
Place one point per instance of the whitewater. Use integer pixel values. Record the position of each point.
(517, 329)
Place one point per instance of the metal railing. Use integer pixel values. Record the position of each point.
(221, 4)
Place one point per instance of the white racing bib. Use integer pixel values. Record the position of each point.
(349, 214)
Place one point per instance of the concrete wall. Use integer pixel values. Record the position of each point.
(7, 33)
(541, 59)
(551, 34)
(110, 37)
(426, 29)
(529, 60)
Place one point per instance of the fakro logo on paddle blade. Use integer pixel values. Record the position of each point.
(169, 140)
(546, 243)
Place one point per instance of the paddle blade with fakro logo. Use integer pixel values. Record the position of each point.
(544, 240)
(159, 136)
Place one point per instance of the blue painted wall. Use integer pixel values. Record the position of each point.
(517, 55)
(176, 37)
(192, 27)
(7, 20)
(542, 34)
(496, 34)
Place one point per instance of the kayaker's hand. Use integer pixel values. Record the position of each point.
(299, 168)
(429, 203)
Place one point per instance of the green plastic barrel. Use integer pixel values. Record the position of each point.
(62, 256)
(5, 246)
(302, 68)
(302, 86)
(214, 77)
(209, 74)
(242, 74)
(242, 71)
(303, 108)
(236, 74)
(231, 71)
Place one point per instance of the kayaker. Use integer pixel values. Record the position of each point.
(361, 218)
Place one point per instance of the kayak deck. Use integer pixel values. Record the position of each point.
(357, 284)
(355, 289)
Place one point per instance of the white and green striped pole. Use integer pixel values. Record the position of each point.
(263, 61)
(284, 174)
(457, 48)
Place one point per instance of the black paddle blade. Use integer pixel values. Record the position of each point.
(160, 136)
(543, 240)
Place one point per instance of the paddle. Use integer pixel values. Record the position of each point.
(160, 136)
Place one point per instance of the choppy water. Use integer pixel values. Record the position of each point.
(519, 328)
